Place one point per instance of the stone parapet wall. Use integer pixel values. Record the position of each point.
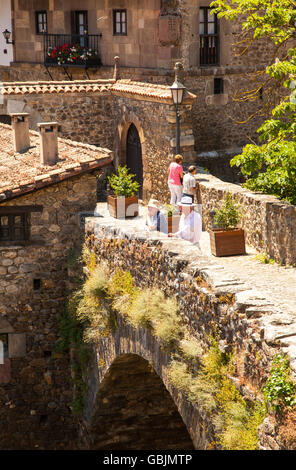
(269, 224)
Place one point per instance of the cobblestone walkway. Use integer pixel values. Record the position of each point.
(276, 283)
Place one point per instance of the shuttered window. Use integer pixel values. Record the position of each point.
(119, 22)
(209, 37)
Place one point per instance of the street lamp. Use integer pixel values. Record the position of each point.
(178, 92)
(6, 35)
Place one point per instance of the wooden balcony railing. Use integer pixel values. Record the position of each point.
(72, 50)
(209, 49)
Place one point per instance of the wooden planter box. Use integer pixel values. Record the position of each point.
(227, 242)
(173, 226)
(121, 207)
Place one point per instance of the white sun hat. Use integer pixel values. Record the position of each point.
(186, 201)
(154, 203)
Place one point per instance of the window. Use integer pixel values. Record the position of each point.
(3, 345)
(41, 22)
(14, 227)
(80, 27)
(119, 22)
(209, 38)
(218, 86)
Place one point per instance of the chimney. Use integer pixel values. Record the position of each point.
(48, 142)
(20, 127)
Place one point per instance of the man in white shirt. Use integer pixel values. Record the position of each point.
(190, 225)
(189, 183)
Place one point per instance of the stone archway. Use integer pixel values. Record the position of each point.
(134, 410)
(124, 362)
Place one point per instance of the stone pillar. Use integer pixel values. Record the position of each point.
(48, 143)
(20, 128)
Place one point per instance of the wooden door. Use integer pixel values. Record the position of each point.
(134, 155)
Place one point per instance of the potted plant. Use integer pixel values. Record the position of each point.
(226, 238)
(173, 217)
(124, 201)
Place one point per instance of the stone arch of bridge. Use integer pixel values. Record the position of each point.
(129, 395)
(127, 119)
(134, 410)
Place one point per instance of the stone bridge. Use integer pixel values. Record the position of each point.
(131, 403)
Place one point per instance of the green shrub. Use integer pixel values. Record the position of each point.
(229, 214)
(122, 184)
(280, 390)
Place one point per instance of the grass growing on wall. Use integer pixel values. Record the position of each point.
(204, 378)
(236, 421)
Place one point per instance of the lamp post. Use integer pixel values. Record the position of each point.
(178, 92)
(6, 35)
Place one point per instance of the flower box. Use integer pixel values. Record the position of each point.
(227, 242)
(173, 223)
(121, 207)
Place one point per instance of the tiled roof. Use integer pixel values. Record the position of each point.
(22, 173)
(125, 87)
(147, 90)
(77, 86)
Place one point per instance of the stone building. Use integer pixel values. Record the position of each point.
(149, 37)
(47, 184)
(135, 119)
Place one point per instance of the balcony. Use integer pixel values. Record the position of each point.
(71, 50)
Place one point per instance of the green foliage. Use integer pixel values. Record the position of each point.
(170, 210)
(280, 390)
(88, 258)
(264, 258)
(71, 340)
(229, 214)
(122, 184)
(270, 167)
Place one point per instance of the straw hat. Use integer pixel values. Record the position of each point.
(154, 203)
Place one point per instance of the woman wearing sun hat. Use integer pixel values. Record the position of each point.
(190, 225)
(156, 219)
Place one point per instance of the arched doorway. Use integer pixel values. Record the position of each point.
(134, 155)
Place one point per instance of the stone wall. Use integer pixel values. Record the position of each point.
(36, 391)
(269, 224)
(82, 118)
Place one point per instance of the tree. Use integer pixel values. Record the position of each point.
(271, 166)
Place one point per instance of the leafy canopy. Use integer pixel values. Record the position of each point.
(270, 166)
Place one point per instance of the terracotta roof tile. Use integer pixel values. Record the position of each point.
(141, 89)
(22, 173)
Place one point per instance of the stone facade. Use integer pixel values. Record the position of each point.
(35, 387)
(100, 113)
(158, 35)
